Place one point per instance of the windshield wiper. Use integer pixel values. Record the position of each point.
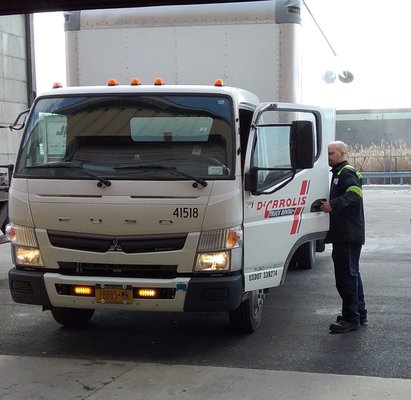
(102, 182)
(197, 181)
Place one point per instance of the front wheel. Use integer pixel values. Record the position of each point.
(72, 317)
(305, 256)
(247, 317)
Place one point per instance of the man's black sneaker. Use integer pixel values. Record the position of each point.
(344, 326)
(363, 320)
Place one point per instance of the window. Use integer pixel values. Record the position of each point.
(146, 137)
(276, 156)
(272, 155)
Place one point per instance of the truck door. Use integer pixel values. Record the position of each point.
(286, 171)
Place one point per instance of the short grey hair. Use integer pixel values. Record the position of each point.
(340, 146)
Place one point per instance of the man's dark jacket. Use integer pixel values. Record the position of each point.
(346, 199)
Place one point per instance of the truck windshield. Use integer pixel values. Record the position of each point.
(144, 137)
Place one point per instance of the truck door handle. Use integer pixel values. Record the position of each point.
(315, 207)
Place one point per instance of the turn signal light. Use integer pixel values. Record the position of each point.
(233, 238)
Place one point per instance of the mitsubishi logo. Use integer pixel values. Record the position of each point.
(115, 246)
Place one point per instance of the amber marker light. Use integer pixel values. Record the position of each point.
(135, 82)
(159, 82)
(83, 290)
(149, 293)
(232, 239)
(219, 82)
(11, 233)
(112, 82)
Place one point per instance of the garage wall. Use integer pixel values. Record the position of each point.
(13, 81)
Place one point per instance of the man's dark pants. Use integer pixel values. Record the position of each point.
(348, 281)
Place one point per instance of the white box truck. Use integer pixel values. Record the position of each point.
(169, 197)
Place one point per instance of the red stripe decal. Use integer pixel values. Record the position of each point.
(299, 210)
(297, 220)
(304, 187)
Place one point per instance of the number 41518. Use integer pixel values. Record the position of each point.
(186, 212)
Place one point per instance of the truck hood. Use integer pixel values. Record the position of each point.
(124, 208)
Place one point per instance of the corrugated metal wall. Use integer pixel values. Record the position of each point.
(13, 82)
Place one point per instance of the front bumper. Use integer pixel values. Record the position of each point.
(194, 294)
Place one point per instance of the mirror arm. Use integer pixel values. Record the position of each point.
(15, 125)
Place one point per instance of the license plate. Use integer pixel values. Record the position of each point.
(114, 294)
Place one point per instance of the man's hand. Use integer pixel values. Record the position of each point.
(326, 207)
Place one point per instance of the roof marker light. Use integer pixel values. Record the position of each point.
(135, 82)
(57, 85)
(158, 82)
(219, 82)
(112, 82)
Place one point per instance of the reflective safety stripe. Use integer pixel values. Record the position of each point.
(353, 189)
(356, 190)
(359, 176)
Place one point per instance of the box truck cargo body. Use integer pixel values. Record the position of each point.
(165, 197)
(253, 45)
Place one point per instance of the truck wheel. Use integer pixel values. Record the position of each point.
(304, 258)
(72, 317)
(320, 245)
(247, 317)
(3, 227)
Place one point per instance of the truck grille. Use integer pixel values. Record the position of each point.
(125, 244)
(118, 270)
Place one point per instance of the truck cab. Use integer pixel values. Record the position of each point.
(163, 198)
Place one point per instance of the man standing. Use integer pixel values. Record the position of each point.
(347, 235)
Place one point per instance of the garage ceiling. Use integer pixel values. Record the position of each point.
(32, 6)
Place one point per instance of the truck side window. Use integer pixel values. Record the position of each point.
(245, 126)
(271, 154)
(48, 141)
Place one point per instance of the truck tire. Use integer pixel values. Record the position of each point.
(304, 257)
(247, 317)
(72, 317)
(3, 227)
(320, 245)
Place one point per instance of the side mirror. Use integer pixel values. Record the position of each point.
(302, 145)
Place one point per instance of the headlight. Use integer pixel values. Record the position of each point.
(213, 261)
(24, 245)
(28, 256)
(219, 250)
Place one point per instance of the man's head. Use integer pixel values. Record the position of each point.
(337, 153)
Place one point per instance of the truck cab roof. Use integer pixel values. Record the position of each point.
(243, 98)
